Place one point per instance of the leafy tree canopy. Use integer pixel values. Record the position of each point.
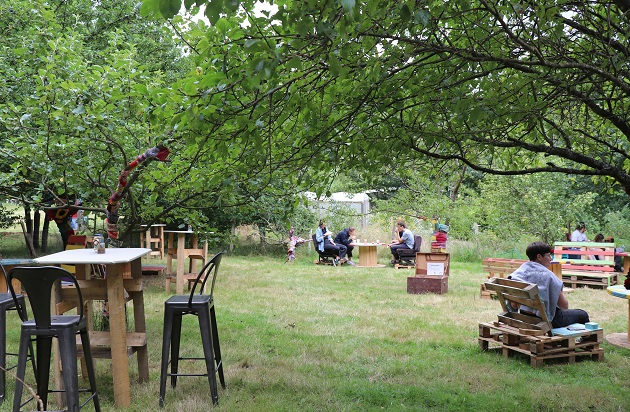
(503, 87)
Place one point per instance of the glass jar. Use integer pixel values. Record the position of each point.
(99, 243)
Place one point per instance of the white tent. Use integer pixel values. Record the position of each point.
(359, 202)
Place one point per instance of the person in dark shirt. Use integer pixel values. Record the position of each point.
(346, 237)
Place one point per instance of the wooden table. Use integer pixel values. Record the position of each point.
(123, 277)
(180, 253)
(368, 255)
(620, 339)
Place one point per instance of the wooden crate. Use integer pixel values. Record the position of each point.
(427, 284)
(540, 349)
(423, 259)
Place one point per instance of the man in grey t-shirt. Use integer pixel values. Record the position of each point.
(403, 240)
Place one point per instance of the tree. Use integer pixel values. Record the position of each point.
(502, 87)
(73, 99)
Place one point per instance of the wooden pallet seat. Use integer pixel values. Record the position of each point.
(530, 332)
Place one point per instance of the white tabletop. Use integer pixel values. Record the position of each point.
(89, 256)
(179, 231)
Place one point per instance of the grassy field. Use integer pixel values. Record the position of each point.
(303, 337)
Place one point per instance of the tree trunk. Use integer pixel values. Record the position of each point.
(28, 221)
(36, 223)
(231, 248)
(45, 230)
(29, 242)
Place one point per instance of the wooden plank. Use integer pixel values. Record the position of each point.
(98, 338)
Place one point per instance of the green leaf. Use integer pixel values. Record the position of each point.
(80, 109)
(169, 8)
(213, 11)
(150, 8)
(405, 13)
(294, 63)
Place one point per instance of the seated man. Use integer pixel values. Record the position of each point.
(325, 242)
(403, 240)
(346, 237)
(549, 286)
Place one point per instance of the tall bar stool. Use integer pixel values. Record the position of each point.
(38, 284)
(8, 304)
(201, 306)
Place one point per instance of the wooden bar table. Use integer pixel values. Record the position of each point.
(180, 253)
(368, 255)
(620, 339)
(123, 269)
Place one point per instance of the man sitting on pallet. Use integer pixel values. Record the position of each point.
(549, 287)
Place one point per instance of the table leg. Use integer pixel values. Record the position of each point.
(169, 256)
(181, 257)
(628, 320)
(118, 335)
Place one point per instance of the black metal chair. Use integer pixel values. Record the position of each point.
(201, 306)
(8, 304)
(408, 256)
(327, 256)
(38, 284)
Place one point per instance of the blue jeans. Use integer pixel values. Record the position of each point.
(567, 317)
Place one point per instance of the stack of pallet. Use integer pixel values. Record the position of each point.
(511, 341)
(587, 263)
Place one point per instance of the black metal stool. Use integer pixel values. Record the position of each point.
(7, 304)
(38, 283)
(201, 306)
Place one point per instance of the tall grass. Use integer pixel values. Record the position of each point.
(303, 337)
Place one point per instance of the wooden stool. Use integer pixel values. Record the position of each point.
(153, 238)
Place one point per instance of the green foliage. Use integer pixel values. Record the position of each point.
(325, 78)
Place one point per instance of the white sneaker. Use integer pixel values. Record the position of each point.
(351, 263)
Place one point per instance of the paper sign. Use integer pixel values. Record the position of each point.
(435, 269)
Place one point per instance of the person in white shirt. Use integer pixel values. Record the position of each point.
(578, 235)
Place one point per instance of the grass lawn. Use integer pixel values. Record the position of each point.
(303, 337)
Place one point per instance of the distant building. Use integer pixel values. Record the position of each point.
(359, 202)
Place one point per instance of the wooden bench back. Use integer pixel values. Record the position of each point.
(513, 294)
(501, 267)
(605, 252)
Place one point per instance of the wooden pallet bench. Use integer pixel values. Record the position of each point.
(520, 332)
(498, 268)
(579, 270)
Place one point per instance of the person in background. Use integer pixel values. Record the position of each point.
(325, 242)
(403, 239)
(578, 235)
(618, 259)
(345, 238)
(599, 238)
(549, 286)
